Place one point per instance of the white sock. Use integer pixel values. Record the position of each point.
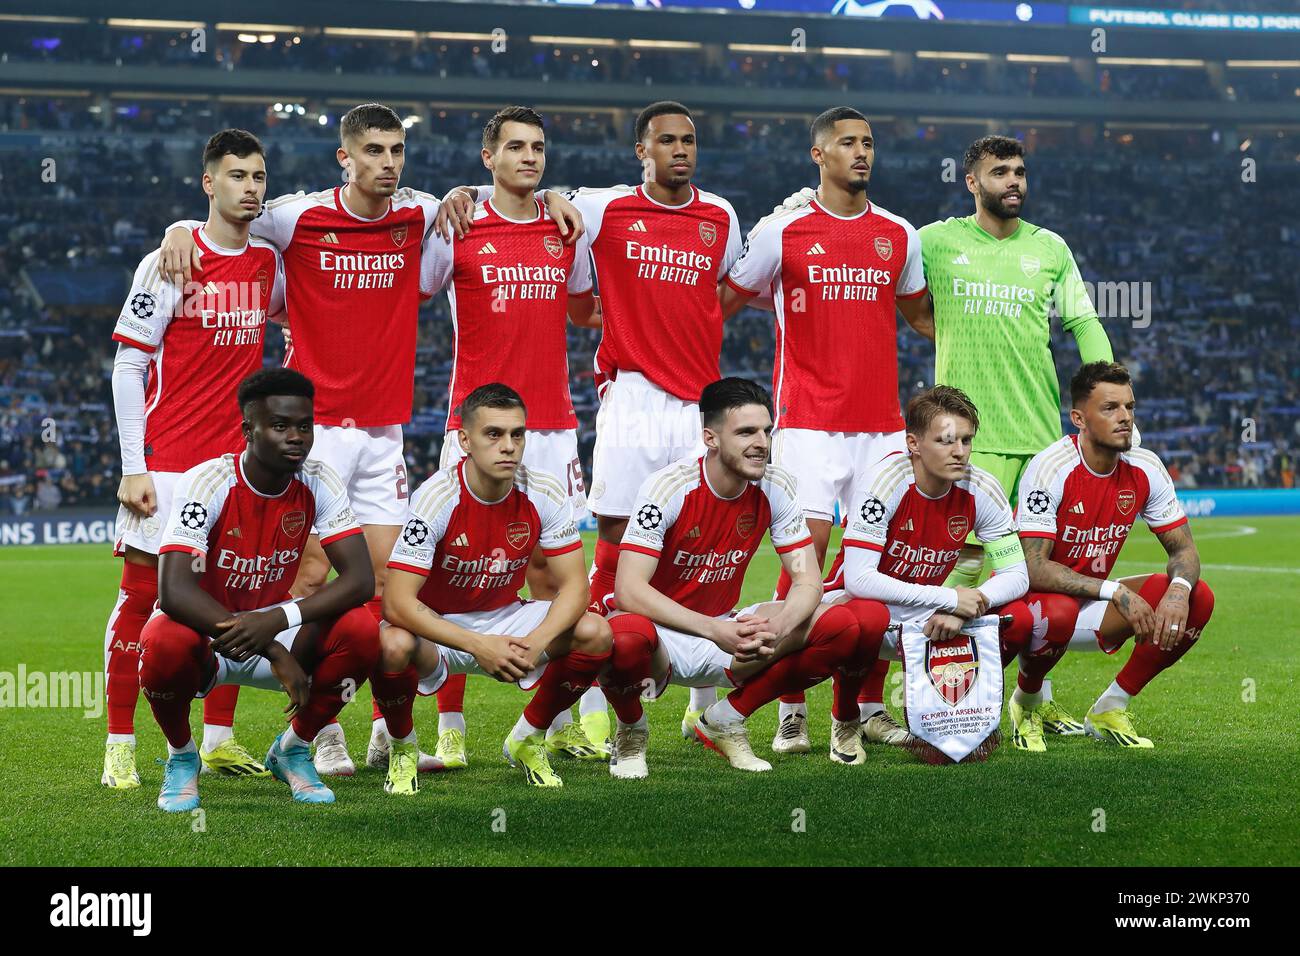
(641, 724)
(452, 720)
(1114, 698)
(722, 712)
(523, 729)
(1047, 688)
(703, 697)
(562, 720)
(187, 749)
(122, 739)
(869, 709)
(289, 740)
(1025, 699)
(785, 710)
(592, 702)
(214, 735)
(379, 727)
(408, 739)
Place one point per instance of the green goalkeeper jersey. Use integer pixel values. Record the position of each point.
(992, 319)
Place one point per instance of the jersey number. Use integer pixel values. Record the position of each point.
(402, 494)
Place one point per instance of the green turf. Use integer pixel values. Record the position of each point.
(1219, 789)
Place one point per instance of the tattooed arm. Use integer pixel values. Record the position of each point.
(1185, 563)
(1052, 576)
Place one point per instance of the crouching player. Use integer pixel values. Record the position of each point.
(238, 527)
(694, 528)
(1078, 499)
(452, 604)
(910, 517)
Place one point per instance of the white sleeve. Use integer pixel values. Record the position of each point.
(1039, 500)
(911, 281)
(275, 310)
(559, 532)
(334, 516)
(1162, 511)
(148, 309)
(651, 518)
(789, 529)
(760, 259)
(735, 243)
(437, 259)
(863, 579)
(580, 274)
(193, 515)
(190, 224)
(130, 366)
(278, 219)
(1006, 584)
(424, 527)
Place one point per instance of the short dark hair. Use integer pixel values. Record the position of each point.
(491, 395)
(266, 382)
(1093, 374)
(511, 114)
(231, 142)
(722, 396)
(924, 408)
(999, 147)
(661, 108)
(826, 122)
(357, 120)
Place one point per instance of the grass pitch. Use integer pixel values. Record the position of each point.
(1218, 789)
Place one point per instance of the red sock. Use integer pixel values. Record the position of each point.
(347, 650)
(1060, 612)
(832, 642)
(451, 696)
(565, 680)
(873, 621)
(173, 660)
(873, 688)
(1148, 659)
(219, 706)
(635, 640)
(603, 568)
(394, 699)
(375, 712)
(135, 601)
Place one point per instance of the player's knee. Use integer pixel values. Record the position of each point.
(166, 645)
(1061, 612)
(361, 633)
(838, 629)
(592, 635)
(1201, 605)
(396, 649)
(632, 647)
(872, 616)
(636, 630)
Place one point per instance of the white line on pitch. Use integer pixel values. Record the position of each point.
(1216, 567)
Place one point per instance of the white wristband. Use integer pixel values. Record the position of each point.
(292, 613)
(1108, 589)
(1183, 581)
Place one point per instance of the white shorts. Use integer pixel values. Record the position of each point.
(513, 620)
(825, 465)
(551, 450)
(640, 428)
(146, 534)
(369, 460)
(1087, 628)
(694, 661)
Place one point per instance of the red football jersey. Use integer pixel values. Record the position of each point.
(473, 553)
(203, 341)
(834, 284)
(251, 542)
(704, 542)
(657, 269)
(508, 284)
(352, 291)
(1089, 515)
(895, 529)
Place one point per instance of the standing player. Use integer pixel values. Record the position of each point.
(696, 526)
(352, 267)
(911, 512)
(236, 533)
(837, 270)
(510, 284)
(659, 250)
(194, 346)
(453, 605)
(1078, 500)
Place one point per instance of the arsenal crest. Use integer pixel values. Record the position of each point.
(884, 248)
(958, 527)
(745, 524)
(263, 281)
(1125, 500)
(952, 666)
(553, 245)
(293, 523)
(517, 534)
(399, 235)
(1029, 266)
(708, 233)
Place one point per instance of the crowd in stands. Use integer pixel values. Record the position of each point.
(1202, 272)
